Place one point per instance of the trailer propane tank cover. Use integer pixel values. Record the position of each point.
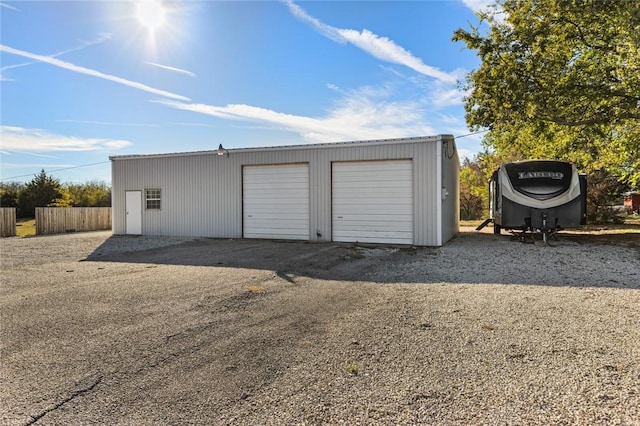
(445, 193)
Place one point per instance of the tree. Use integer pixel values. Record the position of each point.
(603, 191)
(474, 188)
(559, 79)
(90, 194)
(474, 183)
(42, 191)
(9, 193)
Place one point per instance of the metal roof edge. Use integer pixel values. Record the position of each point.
(326, 145)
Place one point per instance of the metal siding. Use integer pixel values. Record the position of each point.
(199, 195)
(451, 181)
(421, 213)
(438, 188)
(427, 196)
(201, 192)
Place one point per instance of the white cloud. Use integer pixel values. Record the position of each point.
(382, 48)
(173, 69)
(33, 154)
(465, 153)
(447, 96)
(491, 8)
(360, 115)
(102, 37)
(108, 123)
(87, 71)
(449, 119)
(19, 139)
(478, 5)
(385, 49)
(34, 166)
(324, 29)
(7, 6)
(395, 109)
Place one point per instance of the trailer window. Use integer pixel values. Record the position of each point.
(152, 199)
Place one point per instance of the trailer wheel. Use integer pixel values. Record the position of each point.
(496, 229)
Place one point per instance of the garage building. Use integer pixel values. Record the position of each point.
(393, 191)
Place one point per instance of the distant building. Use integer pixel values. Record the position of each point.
(394, 191)
(632, 201)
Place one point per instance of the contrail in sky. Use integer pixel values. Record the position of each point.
(173, 69)
(87, 71)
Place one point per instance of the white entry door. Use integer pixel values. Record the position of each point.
(133, 206)
(373, 201)
(276, 201)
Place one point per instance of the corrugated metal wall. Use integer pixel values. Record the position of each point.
(202, 192)
(451, 184)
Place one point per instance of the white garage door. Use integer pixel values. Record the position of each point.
(276, 201)
(373, 201)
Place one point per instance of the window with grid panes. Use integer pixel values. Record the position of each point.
(152, 197)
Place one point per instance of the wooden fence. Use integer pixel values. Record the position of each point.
(58, 220)
(7, 222)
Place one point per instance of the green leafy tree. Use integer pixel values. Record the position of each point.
(559, 79)
(90, 194)
(474, 183)
(41, 191)
(474, 188)
(9, 193)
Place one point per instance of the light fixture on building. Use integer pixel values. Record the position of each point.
(222, 151)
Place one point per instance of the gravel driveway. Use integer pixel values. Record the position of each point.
(98, 329)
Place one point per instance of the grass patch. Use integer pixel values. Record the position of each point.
(353, 369)
(25, 228)
(631, 225)
(632, 220)
(473, 223)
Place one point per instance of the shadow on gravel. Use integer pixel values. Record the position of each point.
(332, 261)
(576, 261)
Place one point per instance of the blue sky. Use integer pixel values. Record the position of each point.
(83, 80)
